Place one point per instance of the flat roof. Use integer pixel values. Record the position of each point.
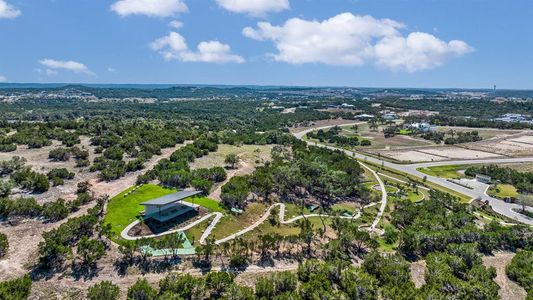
(171, 198)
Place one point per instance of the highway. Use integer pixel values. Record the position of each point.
(477, 192)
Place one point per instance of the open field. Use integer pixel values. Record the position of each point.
(320, 123)
(379, 141)
(452, 172)
(249, 154)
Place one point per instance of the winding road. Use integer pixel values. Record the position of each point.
(479, 192)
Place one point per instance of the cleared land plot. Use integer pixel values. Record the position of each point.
(528, 139)
(320, 123)
(249, 154)
(459, 153)
(509, 290)
(485, 133)
(411, 156)
(378, 139)
(513, 147)
(436, 154)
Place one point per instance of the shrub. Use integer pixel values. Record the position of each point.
(103, 290)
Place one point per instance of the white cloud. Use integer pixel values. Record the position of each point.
(8, 11)
(74, 66)
(254, 7)
(353, 40)
(418, 51)
(3, 78)
(111, 70)
(152, 8)
(175, 24)
(173, 46)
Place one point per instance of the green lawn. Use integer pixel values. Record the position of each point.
(122, 210)
(503, 191)
(451, 172)
(209, 204)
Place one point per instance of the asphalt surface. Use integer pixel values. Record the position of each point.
(499, 206)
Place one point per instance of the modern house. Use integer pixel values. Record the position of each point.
(170, 206)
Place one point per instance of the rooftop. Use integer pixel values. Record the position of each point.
(171, 198)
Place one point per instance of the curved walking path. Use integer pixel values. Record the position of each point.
(384, 197)
(218, 216)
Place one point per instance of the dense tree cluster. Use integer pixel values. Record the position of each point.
(50, 211)
(76, 232)
(30, 180)
(175, 171)
(521, 270)
(432, 225)
(329, 176)
(523, 181)
(59, 175)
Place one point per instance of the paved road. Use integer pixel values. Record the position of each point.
(499, 206)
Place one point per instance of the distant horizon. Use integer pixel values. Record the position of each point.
(4, 85)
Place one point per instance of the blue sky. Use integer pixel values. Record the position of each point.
(371, 43)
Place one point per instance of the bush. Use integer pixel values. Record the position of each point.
(103, 290)
(55, 211)
(30, 180)
(141, 290)
(59, 154)
(16, 289)
(4, 245)
(60, 173)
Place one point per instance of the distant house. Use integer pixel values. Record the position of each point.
(424, 127)
(483, 178)
(365, 117)
(169, 207)
(390, 116)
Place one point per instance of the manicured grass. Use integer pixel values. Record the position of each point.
(451, 172)
(210, 204)
(122, 210)
(503, 191)
(405, 131)
(414, 197)
(345, 207)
